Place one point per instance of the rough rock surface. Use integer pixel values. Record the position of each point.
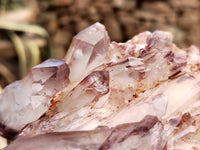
(142, 94)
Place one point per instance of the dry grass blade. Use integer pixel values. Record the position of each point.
(35, 53)
(11, 28)
(20, 52)
(34, 29)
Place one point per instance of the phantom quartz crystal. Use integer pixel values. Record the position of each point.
(142, 94)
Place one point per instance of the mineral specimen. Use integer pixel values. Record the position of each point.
(142, 94)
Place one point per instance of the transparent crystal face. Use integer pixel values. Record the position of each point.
(87, 51)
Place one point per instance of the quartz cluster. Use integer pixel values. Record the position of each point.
(143, 94)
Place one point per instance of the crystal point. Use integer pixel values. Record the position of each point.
(26, 100)
(87, 50)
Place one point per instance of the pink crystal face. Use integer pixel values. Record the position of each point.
(87, 51)
(119, 86)
(26, 100)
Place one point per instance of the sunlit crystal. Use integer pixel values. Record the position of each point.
(87, 51)
(26, 100)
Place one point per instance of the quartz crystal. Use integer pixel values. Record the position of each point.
(142, 94)
(87, 51)
(26, 100)
(139, 135)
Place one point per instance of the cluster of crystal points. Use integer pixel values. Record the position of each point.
(142, 94)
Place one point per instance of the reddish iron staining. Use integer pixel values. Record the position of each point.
(195, 68)
(95, 100)
(137, 92)
(53, 105)
(129, 100)
(195, 148)
(135, 96)
(183, 123)
(186, 120)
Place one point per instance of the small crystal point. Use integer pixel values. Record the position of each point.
(26, 100)
(87, 51)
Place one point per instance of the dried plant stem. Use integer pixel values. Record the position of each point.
(35, 53)
(20, 52)
(34, 29)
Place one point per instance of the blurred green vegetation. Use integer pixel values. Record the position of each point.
(26, 39)
(7, 5)
(26, 62)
